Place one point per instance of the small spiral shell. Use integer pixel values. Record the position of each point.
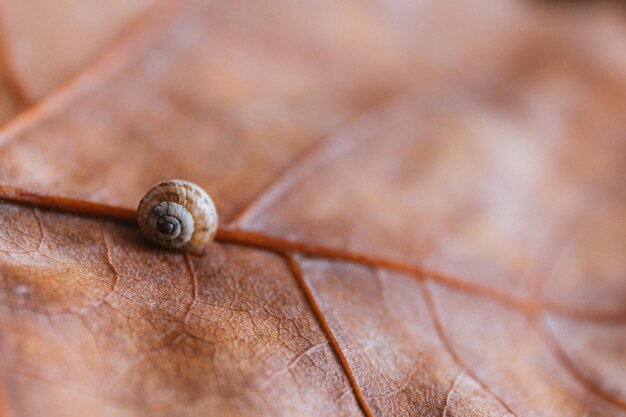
(177, 214)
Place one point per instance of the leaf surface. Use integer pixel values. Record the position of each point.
(421, 213)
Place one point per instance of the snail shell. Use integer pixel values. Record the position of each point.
(177, 214)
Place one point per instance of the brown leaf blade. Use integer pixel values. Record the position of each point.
(406, 230)
(164, 334)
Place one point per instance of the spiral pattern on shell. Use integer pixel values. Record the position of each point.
(177, 214)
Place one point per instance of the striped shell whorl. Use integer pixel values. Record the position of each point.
(177, 214)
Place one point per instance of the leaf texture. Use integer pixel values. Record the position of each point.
(422, 209)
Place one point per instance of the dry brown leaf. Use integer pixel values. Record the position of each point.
(44, 42)
(422, 207)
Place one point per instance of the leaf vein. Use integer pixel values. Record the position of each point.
(263, 241)
(110, 61)
(436, 319)
(559, 353)
(308, 294)
(320, 153)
